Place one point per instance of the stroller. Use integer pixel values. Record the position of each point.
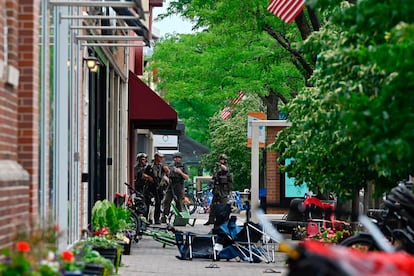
(227, 241)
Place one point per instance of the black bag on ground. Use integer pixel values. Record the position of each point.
(222, 213)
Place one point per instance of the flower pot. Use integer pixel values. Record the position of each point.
(73, 273)
(108, 253)
(126, 247)
(92, 269)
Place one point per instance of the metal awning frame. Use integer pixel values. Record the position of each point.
(106, 39)
(113, 45)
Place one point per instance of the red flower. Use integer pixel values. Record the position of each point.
(67, 256)
(101, 232)
(56, 228)
(23, 246)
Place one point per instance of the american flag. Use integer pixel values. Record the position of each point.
(226, 113)
(228, 110)
(287, 10)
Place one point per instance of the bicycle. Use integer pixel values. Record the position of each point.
(136, 205)
(395, 221)
(203, 200)
(189, 201)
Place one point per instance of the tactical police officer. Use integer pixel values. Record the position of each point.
(223, 186)
(175, 190)
(156, 172)
(139, 169)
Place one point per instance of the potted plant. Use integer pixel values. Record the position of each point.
(107, 248)
(112, 221)
(93, 262)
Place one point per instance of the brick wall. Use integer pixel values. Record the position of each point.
(14, 200)
(28, 93)
(272, 173)
(19, 131)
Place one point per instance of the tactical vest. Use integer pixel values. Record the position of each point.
(176, 178)
(223, 184)
(157, 172)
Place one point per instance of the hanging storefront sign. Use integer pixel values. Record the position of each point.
(254, 116)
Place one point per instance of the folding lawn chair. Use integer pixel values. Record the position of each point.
(192, 245)
(249, 242)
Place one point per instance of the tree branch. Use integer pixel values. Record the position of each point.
(308, 69)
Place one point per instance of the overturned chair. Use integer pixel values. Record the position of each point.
(228, 241)
(249, 242)
(191, 245)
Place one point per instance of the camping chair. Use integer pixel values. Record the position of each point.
(248, 242)
(192, 245)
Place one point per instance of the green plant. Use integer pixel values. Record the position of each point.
(22, 259)
(106, 214)
(95, 242)
(34, 252)
(85, 254)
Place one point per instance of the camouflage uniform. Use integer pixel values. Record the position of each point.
(223, 186)
(175, 189)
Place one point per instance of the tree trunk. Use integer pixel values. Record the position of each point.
(303, 26)
(314, 19)
(271, 102)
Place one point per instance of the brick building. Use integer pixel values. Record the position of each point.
(68, 133)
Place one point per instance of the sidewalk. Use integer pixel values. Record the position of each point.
(148, 257)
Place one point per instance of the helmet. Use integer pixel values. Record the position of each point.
(222, 156)
(158, 154)
(141, 155)
(178, 154)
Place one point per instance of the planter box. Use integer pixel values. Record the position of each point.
(92, 269)
(126, 247)
(109, 253)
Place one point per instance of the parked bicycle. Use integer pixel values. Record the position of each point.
(204, 199)
(136, 204)
(189, 200)
(395, 221)
(162, 234)
(137, 207)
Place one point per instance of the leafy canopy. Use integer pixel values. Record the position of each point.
(354, 125)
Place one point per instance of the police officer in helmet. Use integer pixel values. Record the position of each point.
(175, 190)
(139, 169)
(223, 186)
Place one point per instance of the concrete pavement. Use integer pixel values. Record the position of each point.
(149, 257)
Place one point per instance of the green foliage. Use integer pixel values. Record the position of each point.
(230, 137)
(107, 214)
(84, 252)
(202, 72)
(355, 125)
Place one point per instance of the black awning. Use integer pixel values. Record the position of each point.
(191, 150)
(142, 31)
(147, 110)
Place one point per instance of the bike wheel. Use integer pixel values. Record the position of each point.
(362, 241)
(136, 226)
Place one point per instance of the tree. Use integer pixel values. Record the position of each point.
(231, 53)
(354, 126)
(230, 137)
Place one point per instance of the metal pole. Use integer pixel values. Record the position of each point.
(254, 186)
(44, 108)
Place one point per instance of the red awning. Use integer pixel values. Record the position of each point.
(146, 109)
